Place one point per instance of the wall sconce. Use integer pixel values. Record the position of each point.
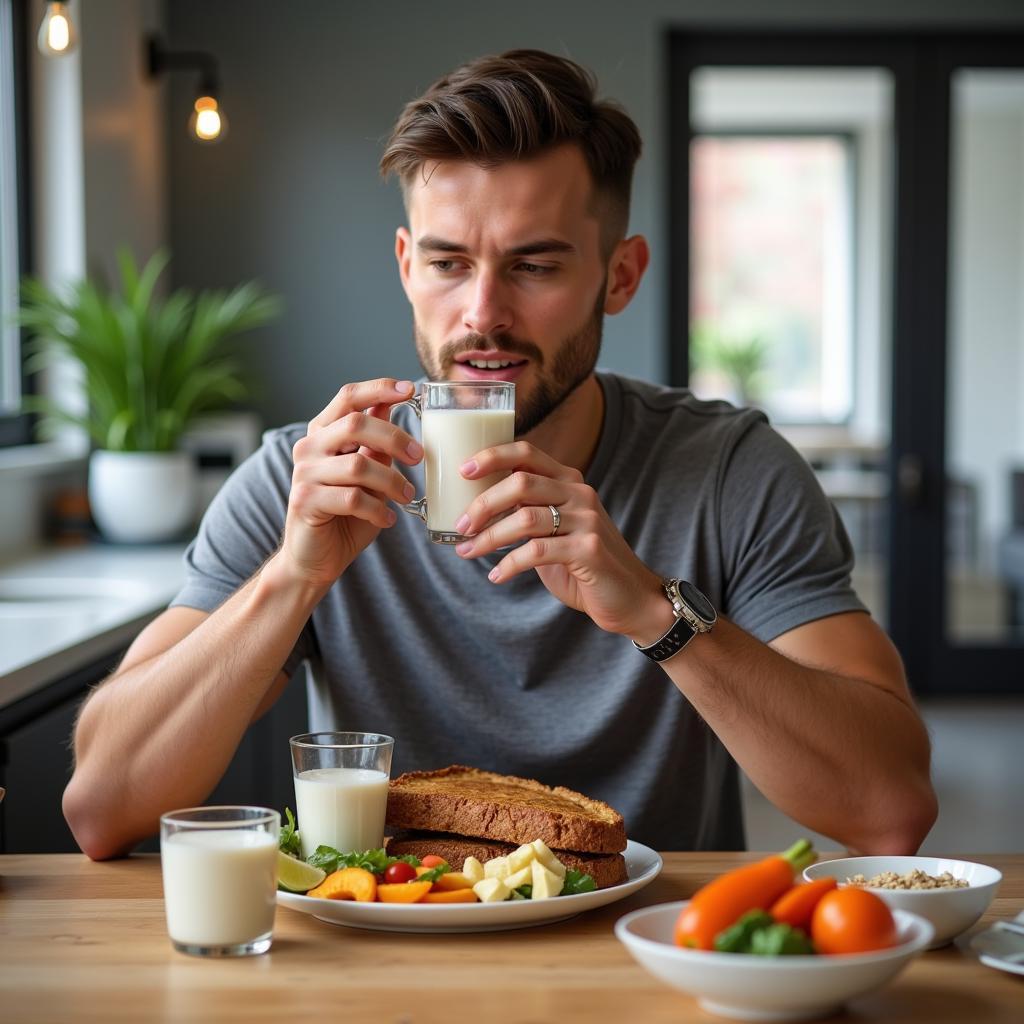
(57, 35)
(207, 122)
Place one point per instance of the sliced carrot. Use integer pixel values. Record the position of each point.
(452, 880)
(347, 884)
(403, 892)
(796, 906)
(451, 896)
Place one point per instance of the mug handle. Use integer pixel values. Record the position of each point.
(418, 506)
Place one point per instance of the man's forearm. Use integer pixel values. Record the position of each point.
(841, 755)
(162, 732)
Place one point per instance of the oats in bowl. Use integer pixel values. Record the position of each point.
(916, 879)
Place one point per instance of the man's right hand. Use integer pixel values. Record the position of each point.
(343, 478)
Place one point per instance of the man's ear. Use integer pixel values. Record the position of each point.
(403, 254)
(625, 270)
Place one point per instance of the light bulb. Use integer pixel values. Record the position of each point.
(56, 33)
(207, 123)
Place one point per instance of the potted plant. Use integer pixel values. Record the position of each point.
(150, 367)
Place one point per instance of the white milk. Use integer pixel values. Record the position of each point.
(450, 438)
(341, 807)
(219, 885)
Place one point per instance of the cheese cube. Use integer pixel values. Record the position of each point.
(473, 869)
(547, 858)
(521, 877)
(545, 883)
(521, 857)
(492, 890)
(496, 867)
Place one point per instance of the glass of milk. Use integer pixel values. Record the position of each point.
(220, 878)
(341, 789)
(459, 419)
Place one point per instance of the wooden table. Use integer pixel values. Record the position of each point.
(83, 943)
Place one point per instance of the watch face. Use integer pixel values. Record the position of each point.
(697, 601)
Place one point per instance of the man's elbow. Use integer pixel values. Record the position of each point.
(904, 833)
(97, 837)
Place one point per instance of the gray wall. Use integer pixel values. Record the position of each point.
(292, 195)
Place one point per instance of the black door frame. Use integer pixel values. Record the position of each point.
(921, 63)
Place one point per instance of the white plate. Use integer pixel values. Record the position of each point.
(643, 865)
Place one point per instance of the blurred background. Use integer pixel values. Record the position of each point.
(834, 197)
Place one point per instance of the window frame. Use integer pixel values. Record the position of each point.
(852, 169)
(17, 428)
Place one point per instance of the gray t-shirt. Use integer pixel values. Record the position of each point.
(415, 642)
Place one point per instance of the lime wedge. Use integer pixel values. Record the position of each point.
(296, 875)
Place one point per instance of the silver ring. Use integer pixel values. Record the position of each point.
(556, 520)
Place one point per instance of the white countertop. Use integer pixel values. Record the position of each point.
(62, 609)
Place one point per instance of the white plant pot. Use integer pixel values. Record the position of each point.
(142, 497)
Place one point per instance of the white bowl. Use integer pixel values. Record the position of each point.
(950, 911)
(763, 988)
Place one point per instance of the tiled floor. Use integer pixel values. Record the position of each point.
(978, 772)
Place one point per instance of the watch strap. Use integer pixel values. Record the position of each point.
(679, 634)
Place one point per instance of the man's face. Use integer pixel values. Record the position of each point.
(504, 270)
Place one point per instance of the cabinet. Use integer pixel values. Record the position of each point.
(35, 761)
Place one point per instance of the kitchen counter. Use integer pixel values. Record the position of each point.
(88, 942)
(63, 609)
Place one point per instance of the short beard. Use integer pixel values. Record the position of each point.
(573, 363)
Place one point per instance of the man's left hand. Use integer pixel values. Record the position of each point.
(586, 564)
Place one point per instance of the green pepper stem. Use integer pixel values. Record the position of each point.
(799, 855)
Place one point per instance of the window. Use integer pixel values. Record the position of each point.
(772, 258)
(14, 428)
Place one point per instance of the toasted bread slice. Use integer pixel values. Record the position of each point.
(471, 802)
(606, 869)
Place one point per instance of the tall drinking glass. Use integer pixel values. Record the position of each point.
(341, 789)
(220, 878)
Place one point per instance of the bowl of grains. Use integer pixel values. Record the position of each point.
(951, 894)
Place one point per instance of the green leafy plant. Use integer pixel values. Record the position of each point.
(150, 365)
(740, 359)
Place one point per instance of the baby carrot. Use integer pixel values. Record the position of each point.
(723, 901)
(796, 906)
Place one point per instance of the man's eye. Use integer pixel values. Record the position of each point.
(534, 269)
(443, 266)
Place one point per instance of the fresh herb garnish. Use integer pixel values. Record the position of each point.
(288, 839)
(757, 932)
(375, 861)
(576, 882)
(433, 874)
(524, 892)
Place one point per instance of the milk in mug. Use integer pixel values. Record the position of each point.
(341, 807)
(219, 885)
(450, 438)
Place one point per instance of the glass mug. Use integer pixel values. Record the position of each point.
(459, 419)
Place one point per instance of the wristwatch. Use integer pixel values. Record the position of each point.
(694, 614)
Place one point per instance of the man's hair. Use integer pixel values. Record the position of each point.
(515, 106)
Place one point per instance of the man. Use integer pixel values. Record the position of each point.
(513, 652)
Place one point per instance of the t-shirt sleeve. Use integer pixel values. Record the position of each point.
(787, 557)
(241, 529)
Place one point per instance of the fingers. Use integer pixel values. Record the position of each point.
(546, 551)
(358, 470)
(317, 504)
(518, 455)
(528, 521)
(521, 488)
(361, 396)
(356, 430)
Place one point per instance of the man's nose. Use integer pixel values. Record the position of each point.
(488, 310)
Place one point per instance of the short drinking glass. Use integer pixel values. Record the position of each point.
(220, 878)
(341, 789)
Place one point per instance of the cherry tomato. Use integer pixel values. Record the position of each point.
(432, 861)
(852, 920)
(399, 872)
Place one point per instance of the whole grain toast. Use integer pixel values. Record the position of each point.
(472, 802)
(606, 869)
